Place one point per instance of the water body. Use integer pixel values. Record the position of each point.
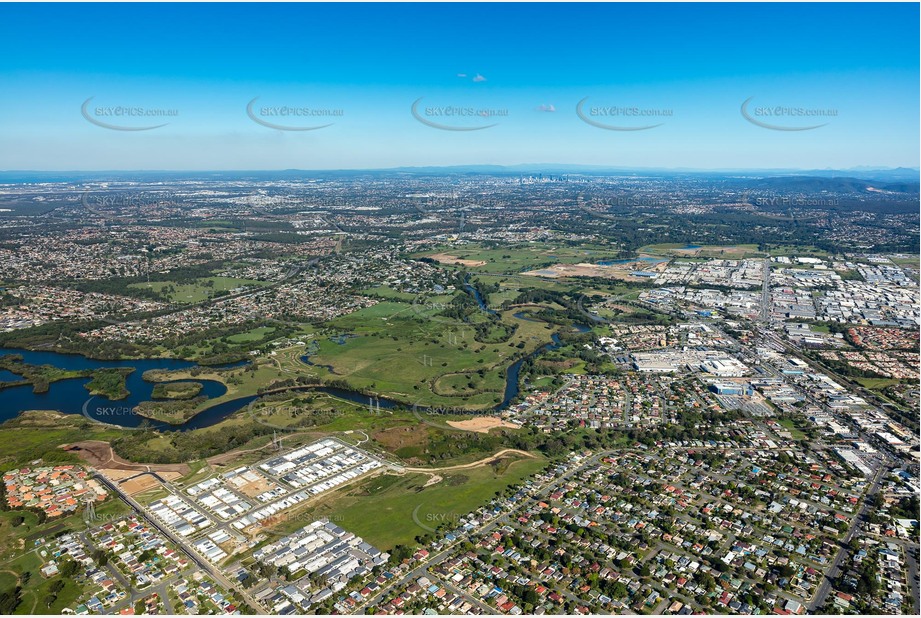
(514, 370)
(9, 376)
(525, 318)
(479, 299)
(306, 360)
(70, 396)
(359, 398)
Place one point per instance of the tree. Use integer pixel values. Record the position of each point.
(9, 600)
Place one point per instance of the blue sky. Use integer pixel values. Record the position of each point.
(851, 67)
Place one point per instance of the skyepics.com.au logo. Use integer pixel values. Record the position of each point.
(595, 207)
(285, 417)
(111, 312)
(107, 204)
(451, 211)
(456, 117)
(290, 117)
(107, 412)
(785, 118)
(92, 518)
(621, 117)
(430, 522)
(125, 117)
(789, 201)
(425, 414)
(438, 311)
(424, 307)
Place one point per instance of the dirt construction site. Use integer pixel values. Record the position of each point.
(99, 455)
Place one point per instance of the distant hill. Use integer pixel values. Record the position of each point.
(906, 178)
(816, 184)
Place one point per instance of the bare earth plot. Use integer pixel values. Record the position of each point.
(482, 424)
(100, 455)
(445, 258)
(614, 271)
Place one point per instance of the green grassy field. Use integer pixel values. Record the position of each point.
(441, 363)
(257, 334)
(519, 258)
(36, 591)
(37, 435)
(542, 382)
(876, 384)
(395, 335)
(176, 390)
(512, 285)
(383, 291)
(240, 382)
(914, 261)
(394, 501)
(197, 290)
(799, 250)
(790, 425)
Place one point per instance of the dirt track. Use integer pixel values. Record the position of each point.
(475, 464)
(224, 458)
(100, 455)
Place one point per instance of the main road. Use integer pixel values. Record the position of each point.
(181, 543)
(766, 291)
(822, 593)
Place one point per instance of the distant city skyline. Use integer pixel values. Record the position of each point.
(374, 87)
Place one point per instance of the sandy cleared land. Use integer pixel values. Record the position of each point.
(433, 480)
(139, 484)
(482, 424)
(445, 258)
(100, 455)
(114, 474)
(255, 488)
(616, 271)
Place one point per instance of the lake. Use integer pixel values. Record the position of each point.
(70, 396)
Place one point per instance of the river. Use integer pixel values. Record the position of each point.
(70, 396)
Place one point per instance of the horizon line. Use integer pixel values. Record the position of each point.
(573, 167)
